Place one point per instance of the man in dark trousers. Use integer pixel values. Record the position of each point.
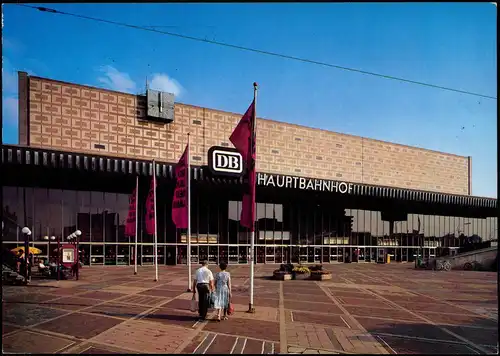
(204, 283)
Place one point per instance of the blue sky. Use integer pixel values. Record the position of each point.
(449, 44)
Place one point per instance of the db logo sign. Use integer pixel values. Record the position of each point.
(225, 161)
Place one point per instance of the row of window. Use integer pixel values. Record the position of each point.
(101, 218)
(113, 254)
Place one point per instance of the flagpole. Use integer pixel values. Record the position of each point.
(189, 215)
(251, 308)
(156, 230)
(136, 217)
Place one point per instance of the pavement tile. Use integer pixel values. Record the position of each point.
(195, 343)
(315, 327)
(412, 346)
(71, 303)
(300, 297)
(253, 347)
(171, 317)
(62, 292)
(350, 294)
(92, 350)
(117, 310)
(28, 314)
(307, 305)
(29, 298)
(182, 304)
(82, 326)
(387, 313)
(144, 284)
(7, 329)
(32, 342)
(122, 289)
(476, 335)
(164, 293)
(322, 319)
(258, 301)
(307, 291)
(146, 337)
(222, 344)
(459, 319)
(404, 328)
(261, 313)
(362, 302)
(141, 300)
(258, 329)
(436, 306)
(177, 288)
(101, 295)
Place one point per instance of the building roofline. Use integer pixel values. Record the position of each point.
(41, 157)
(261, 118)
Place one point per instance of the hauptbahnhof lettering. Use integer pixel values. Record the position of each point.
(81, 149)
(320, 185)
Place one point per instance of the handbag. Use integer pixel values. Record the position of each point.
(194, 304)
(230, 310)
(211, 303)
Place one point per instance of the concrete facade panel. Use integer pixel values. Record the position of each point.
(67, 116)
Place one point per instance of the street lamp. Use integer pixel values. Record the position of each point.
(27, 233)
(77, 234)
(51, 238)
(58, 254)
(74, 238)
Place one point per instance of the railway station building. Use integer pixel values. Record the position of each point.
(322, 197)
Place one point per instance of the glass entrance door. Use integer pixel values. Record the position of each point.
(381, 255)
(334, 254)
(286, 254)
(213, 256)
(326, 254)
(203, 253)
(233, 255)
(194, 255)
(404, 255)
(261, 254)
(278, 254)
(269, 254)
(361, 254)
(295, 254)
(340, 254)
(317, 255)
(398, 254)
(303, 255)
(310, 254)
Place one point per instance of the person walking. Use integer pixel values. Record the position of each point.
(222, 291)
(203, 283)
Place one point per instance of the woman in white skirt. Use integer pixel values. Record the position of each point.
(222, 291)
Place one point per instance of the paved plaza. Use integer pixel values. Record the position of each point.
(365, 308)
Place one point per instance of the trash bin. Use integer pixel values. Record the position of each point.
(388, 258)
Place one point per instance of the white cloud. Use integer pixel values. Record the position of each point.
(163, 82)
(9, 110)
(116, 80)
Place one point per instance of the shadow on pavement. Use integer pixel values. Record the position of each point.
(417, 338)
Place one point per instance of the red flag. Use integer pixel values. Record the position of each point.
(180, 200)
(130, 225)
(150, 209)
(243, 139)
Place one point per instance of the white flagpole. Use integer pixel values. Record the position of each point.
(189, 215)
(156, 224)
(251, 308)
(136, 224)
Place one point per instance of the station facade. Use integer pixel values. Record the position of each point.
(322, 197)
